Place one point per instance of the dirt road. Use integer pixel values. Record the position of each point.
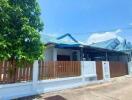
(116, 89)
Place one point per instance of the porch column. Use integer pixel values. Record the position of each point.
(35, 73)
(131, 56)
(81, 54)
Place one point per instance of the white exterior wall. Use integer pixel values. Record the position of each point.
(48, 55)
(54, 54)
(51, 53)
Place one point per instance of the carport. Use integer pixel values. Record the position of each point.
(118, 61)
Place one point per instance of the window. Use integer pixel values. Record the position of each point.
(63, 58)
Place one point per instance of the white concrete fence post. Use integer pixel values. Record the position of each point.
(35, 73)
(106, 70)
(82, 72)
(130, 68)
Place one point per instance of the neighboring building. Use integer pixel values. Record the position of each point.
(67, 48)
(109, 44)
(115, 44)
(125, 47)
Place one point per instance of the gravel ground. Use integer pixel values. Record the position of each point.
(117, 89)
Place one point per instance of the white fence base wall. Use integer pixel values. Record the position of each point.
(13, 91)
(59, 84)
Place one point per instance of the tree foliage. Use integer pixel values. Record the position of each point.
(20, 25)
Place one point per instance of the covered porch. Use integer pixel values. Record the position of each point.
(99, 54)
(63, 52)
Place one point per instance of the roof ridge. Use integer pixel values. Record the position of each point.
(67, 34)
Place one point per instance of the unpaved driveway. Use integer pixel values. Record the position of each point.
(116, 89)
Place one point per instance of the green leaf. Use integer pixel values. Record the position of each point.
(20, 25)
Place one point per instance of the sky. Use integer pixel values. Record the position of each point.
(87, 19)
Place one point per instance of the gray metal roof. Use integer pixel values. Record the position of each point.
(69, 41)
(114, 44)
(46, 39)
(124, 46)
(109, 44)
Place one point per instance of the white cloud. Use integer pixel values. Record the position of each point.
(98, 37)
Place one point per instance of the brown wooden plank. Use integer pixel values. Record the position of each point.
(76, 70)
(49, 70)
(42, 70)
(64, 69)
(72, 68)
(31, 72)
(1, 68)
(99, 70)
(27, 72)
(4, 72)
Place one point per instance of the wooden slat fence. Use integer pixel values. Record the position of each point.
(59, 69)
(118, 69)
(14, 74)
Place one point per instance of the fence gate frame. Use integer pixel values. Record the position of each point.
(103, 70)
(106, 70)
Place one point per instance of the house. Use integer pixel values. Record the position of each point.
(109, 44)
(67, 48)
(125, 47)
(63, 48)
(115, 44)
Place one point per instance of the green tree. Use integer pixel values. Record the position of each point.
(20, 25)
